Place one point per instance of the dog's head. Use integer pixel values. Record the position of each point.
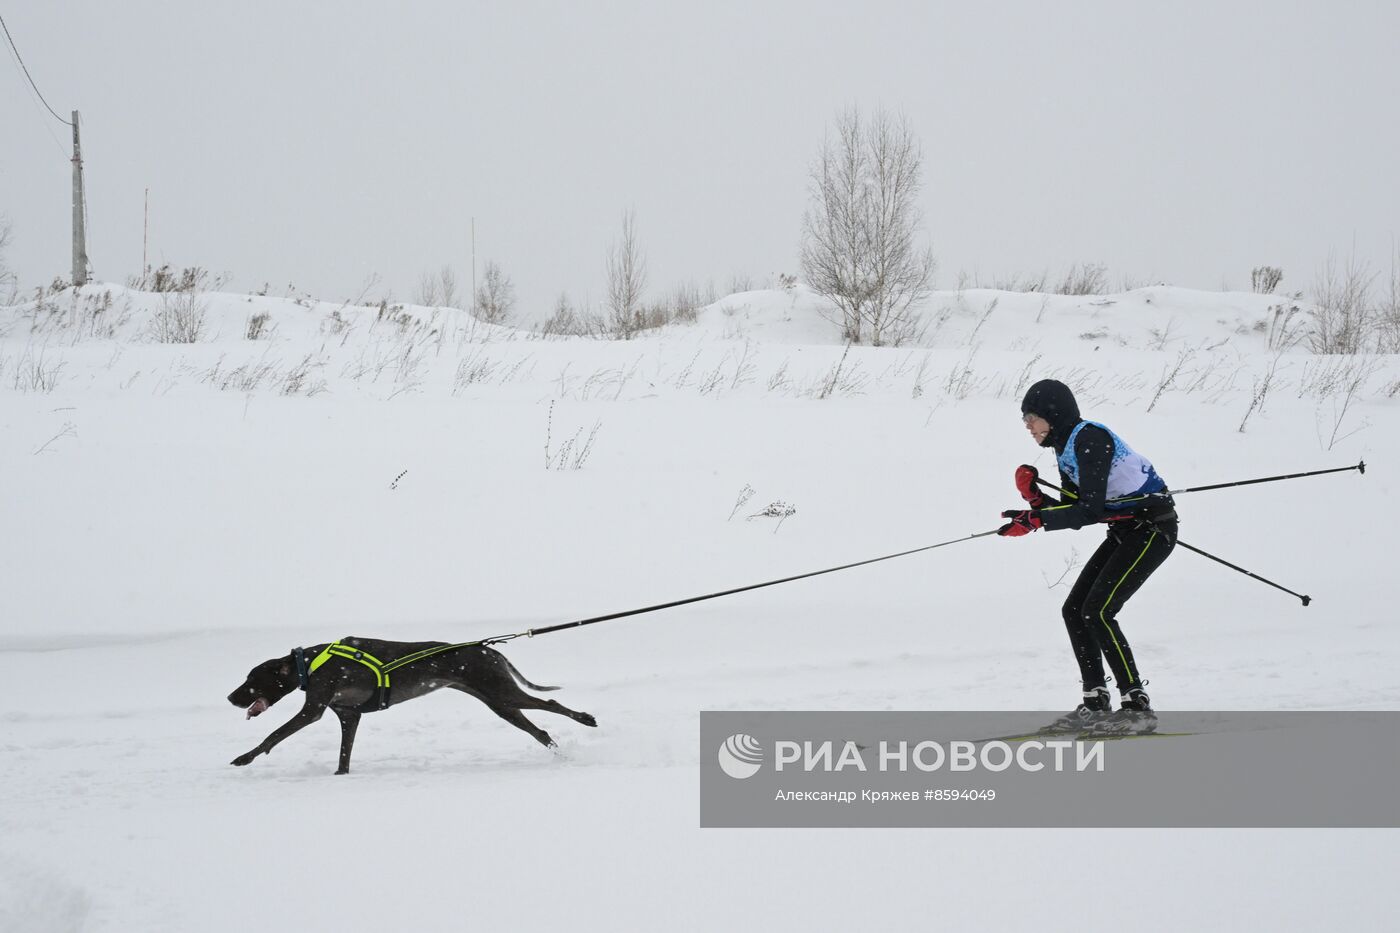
(267, 683)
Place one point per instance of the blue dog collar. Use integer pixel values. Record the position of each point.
(303, 677)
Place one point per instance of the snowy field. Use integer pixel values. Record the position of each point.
(177, 513)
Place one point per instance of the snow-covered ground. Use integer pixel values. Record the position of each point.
(177, 513)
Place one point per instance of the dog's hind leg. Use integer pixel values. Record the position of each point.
(554, 706)
(499, 690)
(516, 718)
(511, 715)
(349, 722)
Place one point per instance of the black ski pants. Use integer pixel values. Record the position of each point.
(1127, 557)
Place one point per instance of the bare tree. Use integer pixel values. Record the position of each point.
(627, 277)
(9, 284)
(568, 321)
(563, 321)
(437, 289)
(860, 244)
(447, 285)
(495, 296)
(1389, 309)
(1343, 316)
(834, 246)
(426, 293)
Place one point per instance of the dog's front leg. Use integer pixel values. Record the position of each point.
(309, 713)
(349, 722)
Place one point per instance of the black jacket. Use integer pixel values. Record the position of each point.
(1084, 504)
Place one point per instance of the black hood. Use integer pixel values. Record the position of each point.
(1053, 401)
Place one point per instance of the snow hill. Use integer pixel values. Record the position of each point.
(178, 512)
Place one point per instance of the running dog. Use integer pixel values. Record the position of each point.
(364, 675)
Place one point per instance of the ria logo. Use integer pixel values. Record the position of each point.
(741, 756)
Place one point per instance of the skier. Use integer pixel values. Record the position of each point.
(1096, 465)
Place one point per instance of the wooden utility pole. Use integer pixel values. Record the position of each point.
(80, 262)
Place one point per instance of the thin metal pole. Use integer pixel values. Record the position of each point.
(1306, 599)
(145, 230)
(1360, 467)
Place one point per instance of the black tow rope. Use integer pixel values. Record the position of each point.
(532, 632)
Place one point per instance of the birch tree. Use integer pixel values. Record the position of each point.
(627, 277)
(860, 235)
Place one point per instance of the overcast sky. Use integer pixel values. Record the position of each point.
(319, 144)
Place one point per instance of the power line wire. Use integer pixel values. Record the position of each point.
(28, 75)
(48, 127)
(39, 109)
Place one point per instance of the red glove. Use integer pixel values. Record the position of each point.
(1026, 475)
(1023, 522)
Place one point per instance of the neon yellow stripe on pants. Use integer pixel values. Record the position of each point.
(1108, 602)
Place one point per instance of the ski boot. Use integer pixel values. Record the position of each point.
(1094, 708)
(1134, 716)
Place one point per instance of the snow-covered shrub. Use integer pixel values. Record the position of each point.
(1264, 279)
(568, 321)
(36, 373)
(180, 318)
(745, 495)
(297, 379)
(495, 297)
(1016, 282)
(574, 452)
(165, 279)
(780, 510)
(257, 328)
(1285, 327)
(473, 368)
(1343, 316)
(1089, 278)
(9, 282)
(1388, 312)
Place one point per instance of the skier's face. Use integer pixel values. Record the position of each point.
(1038, 426)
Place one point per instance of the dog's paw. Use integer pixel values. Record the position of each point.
(244, 759)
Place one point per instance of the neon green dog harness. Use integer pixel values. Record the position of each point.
(381, 669)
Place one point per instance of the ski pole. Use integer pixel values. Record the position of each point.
(532, 632)
(1306, 599)
(1113, 518)
(1360, 467)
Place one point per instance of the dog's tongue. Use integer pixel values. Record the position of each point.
(258, 706)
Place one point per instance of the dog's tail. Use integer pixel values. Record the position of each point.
(521, 677)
